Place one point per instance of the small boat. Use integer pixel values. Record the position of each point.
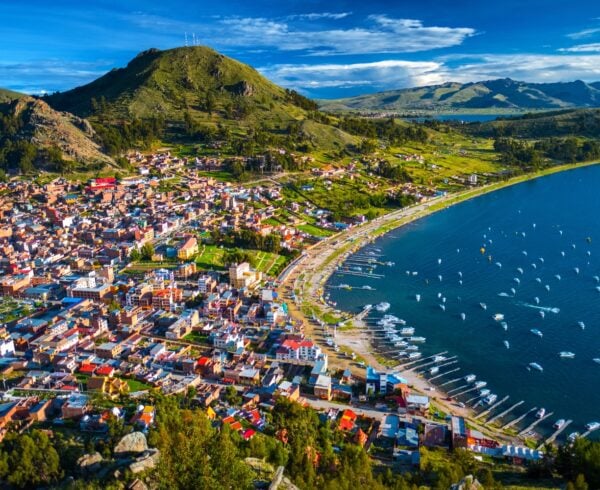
(576, 270)
(439, 261)
(418, 297)
(596, 360)
(540, 413)
(524, 252)
(592, 426)
(383, 307)
(504, 326)
(469, 378)
(498, 264)
(498, 317)
(439, 295)
(537, 279)
(537, 300)
(443, 307)
(572, 436)
(542, 314)
(506, 344)
(513, 290)
(484, 306)
(597, 278)
(534, 265)
(440, 277)
(412, 348)
(541, 259)
(581, 325)
(416, 339)
(414, 355)
(484, 392)
(519, 270)
(557, 276)
(490, 399)
(566, 354)
(459, 274)
(559, 423)
(517, 280)
(537, 332)
(439, 358)
(562, 253)
(573, 245)
(480, 384)
(443, 299)
(434, 370)
(536, 366)
(463, 316)
(407, 331)
(547, 287)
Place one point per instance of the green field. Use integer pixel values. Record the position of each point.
(211, 257)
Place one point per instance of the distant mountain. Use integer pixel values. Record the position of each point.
(35, 122)
(505, 94)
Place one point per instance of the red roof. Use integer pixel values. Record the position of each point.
(105, 370)
(203, 361)
(87, 368)
(248, 434)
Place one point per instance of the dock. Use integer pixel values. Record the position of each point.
(444, 374)
(518, 419)
(507, 411)
(451, 381)
(497, 404)
(469, 390)
(553, 437)
(588, 432)
(534, 423)
(462, 387)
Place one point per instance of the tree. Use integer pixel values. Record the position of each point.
(147, 251)
(135, 255)
(232, 396)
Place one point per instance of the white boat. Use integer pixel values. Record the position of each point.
(581, 325)
(504, 326)
(439, 261)
(414, 355)
(557, 276)
(498, 264)
(597, 278)
(542, 314)
(547, 287)
(537, 332)
(407, 331)
(506, 344)
(412, 348)
(537, 279)
(484, 306)
(576, 270)
(416, 339)
(563, 254)
(498, 317)
(517, 280)
(439, 358)
(439, 295)
(434, 370)
(484, 392)
(524, 252)
(459, 274)
(559, 423)
(440, 277)
(480, 384)
(566, 354)
(469, 378)
(536, 300)
(534, 265)
(382, 307)
(490, 399)
(400, 343)
(418, 297)
(540, 413)
(592, 426)
(367, 307)
(443, 307)
(444, 299)
(520, 270)
(596, 360)
(572, 436)
(463, 316)
(536, 366)
(541, 259)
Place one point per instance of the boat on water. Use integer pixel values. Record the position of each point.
(592, 426)
(442, 307)
(434, 370)
(572, 436)
(418, 297)
(581, 325)
(480, 384)
(536, 300)
(414, 355)
(520, 270)
(557, 276)
(576, 270)
(566, 354)
(490, 399)
(498, 317)
(463, 316)
(400, 343)
(504, 325)
(484, 392)
(469, 378)
(543, 314)
(547, 287)
(383, 306)
(367, 307)
(484, 306)
(537, 332)
(368, 288)
(540, 413)
(596, 360)
(407, 331)
(536, 366)
(559, 423)
(439, 358)
(412, 348)
(416, 339)
(506, 344)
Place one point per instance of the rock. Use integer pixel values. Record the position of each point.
(132, 443)
(468, 483)
(147, 462)
(89, 462)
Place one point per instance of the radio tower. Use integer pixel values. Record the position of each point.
(186, 41)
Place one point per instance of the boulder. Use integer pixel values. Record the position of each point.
(146, 462)
(89, 462)
(133, 443)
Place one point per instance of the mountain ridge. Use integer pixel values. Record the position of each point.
(501, 93)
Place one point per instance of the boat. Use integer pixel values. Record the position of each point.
(557, 276)
(537, 300)
(576, 269)
(400, 343)
(443, 307)
(439, 358)
(506, 344)
(540, 413)
(414, 355)
(490, 399)
(412, 348)
(367, 308)
(418, 297)
(524, 252)
(537, 279)
(416, 339)
(542, 314)
(434, 370)
(440, 277)
(484, 392)
(439, 261)
(498, 264)
(566, 354)
(581, 325)
(383, 306)
(520, 270)
(480, 384)
(572, 436)
(407, 331)
(592, 426)
(484, 306)
(547, 287)
(469, 378)
(597, 278)
(504, 325)
(463, 316)
(536, 366)
(596, 360)
(559, 423)
(517, 280)
(498, 317)
(537, 332)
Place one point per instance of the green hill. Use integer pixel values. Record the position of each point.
(502, 94)
(8, 95)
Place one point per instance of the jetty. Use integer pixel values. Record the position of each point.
(444, 374)
(451, 381)
(469, 390)
(556, 433)
(588, 432)
(507, 411)
(518, 419)
(497, 404)
(534, 423)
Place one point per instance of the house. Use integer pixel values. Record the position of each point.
(76, 406)
(109, 350)
(322, 387)
(347, 420)
(304, 350)
(112, 387)
(187, 249)
(417, 404)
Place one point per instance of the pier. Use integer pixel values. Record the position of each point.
(454, 390)
(451, 381)
(588, 432)
(533, 424)
(469, 390)
(444, 374)
(518, 419)
(507, 411)
(497, 404)
(553, 437)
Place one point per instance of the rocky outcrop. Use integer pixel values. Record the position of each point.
(134, 443)
(89, 463)
(468, 483)
(147, 461)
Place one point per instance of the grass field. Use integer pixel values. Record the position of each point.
(211, 257)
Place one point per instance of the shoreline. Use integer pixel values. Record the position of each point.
(309, 274)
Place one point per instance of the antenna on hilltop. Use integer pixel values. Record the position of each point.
(194, 38)
(186, 41)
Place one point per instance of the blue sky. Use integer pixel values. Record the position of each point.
(323, 49)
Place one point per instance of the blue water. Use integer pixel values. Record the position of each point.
(567, 202)
(459, 117)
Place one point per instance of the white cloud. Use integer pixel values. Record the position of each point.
(320, 15)
(395, 74)
(378, 34)
(583, 48)
(584, 33)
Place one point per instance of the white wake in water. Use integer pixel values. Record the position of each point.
(548, 309)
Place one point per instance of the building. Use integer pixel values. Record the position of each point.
(76, 406)
(303, 351)
(322, 387)
(242, 276)
(187, 249)
(109, 350)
